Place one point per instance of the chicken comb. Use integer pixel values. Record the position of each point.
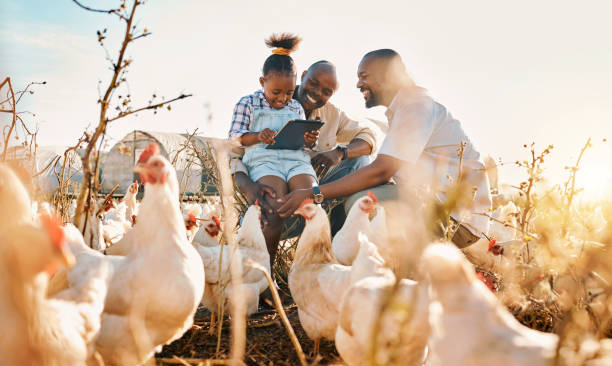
(217, 221)
(152, 149)
(134, 186)
(54, 228)
(373, 196)
(191, 217)
(306, 201)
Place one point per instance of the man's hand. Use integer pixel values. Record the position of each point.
(311, 138)
(292, 201)
(324, 161)
(266, 136)
(254, 191)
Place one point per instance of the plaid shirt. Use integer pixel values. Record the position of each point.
(243, 112)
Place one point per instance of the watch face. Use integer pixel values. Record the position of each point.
(318, 198)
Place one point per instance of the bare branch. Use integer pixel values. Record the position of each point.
(22, 92)
(110, 11)
(8, 135)
(85, 192)
(141, 36)
(154, 106)
(185, 146)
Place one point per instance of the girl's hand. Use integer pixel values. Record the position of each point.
(311, 138)
(266, 136)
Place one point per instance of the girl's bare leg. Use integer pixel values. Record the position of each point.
(273, 230)
(302, 181)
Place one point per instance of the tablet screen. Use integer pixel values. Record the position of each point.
(291, 136)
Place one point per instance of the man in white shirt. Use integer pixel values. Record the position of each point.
(421, 147)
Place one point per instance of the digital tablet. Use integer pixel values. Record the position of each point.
(291, 136)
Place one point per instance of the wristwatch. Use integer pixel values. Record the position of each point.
(318, 196)
(344, 150)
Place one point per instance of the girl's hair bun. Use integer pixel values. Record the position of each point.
(286, 41)
(280, 61)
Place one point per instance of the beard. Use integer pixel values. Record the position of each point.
(372, 100)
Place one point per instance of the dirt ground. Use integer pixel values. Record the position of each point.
(267, 340)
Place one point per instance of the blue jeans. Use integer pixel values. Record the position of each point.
(294, 225)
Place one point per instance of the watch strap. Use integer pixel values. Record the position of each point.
(317, 195)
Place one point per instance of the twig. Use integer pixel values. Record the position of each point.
(154, 106)
(107, 197)
(281, 312)
(192, 361)
(238, 330)
(506, 224)
(12, 97)
(263, 325)
(185, 146)
(571, 192)
(110, 11)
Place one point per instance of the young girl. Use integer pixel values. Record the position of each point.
(257, 117)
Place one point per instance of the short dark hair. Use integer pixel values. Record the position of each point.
(322, 63)
(384, 53)
(281, 63)
(392, 65)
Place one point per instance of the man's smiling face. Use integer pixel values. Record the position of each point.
(318, 85)
(370, 81)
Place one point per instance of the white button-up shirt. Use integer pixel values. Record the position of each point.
(424, 135)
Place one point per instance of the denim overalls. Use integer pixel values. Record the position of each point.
(280, 163)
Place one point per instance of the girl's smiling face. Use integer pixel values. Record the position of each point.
(278, 88)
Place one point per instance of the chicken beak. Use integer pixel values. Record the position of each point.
(68, 257)
(299, 212)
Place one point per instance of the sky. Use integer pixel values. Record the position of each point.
(512, 72)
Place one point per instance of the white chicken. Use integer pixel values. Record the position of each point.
(316, 280)
(115, 224)
(45, 208)
(191, 216)
(251, 246)
(369, 262)
(37, 330)
(129, 199)
(469, 325)
(138, 318)
(403, 328)
(72, 207)
(91, 224)
(379, 235)
(346, 244)
(16, 204)
(208, 233)
(403, 312)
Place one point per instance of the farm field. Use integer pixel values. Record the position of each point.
(152, 212)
